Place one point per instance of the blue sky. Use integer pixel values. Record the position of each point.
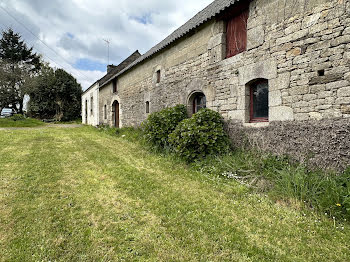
(143, 19)
(71, 35)
(89, 65)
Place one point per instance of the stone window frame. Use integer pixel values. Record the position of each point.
(105, 112)
(191, 101)
(198, 85)
(277, 82)
(217, 45)
(158, 75)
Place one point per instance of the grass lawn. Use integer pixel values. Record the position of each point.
(83, 195)
(28, 122)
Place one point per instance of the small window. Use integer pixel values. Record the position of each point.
(115, 85)
(158, 76)
(236, 34)
(259, 101)
(147, 107)
(86, 111)
(92, 105)
(199, 102)
(105, 111)
(320, 72)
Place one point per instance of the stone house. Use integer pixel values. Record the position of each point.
(90, 105)
(278, 71)
(94, 114)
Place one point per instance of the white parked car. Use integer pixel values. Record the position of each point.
(7, 112)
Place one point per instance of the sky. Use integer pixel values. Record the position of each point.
(70, 34)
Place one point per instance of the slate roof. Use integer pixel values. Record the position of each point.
(203, 16)
(115, 70)
(119, 67)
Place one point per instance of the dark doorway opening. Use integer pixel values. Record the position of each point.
(116, 114)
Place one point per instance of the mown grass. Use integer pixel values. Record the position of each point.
(84, 195)
(27, 122)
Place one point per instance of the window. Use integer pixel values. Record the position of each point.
(236, 34)
(320, 72)
(115, 85)
(147, 107)
(86, 111)
(158, 76)
(92, 106)
(199, 102)
(259, 101)
(105, 111)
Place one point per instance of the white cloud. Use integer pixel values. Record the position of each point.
(89, 21)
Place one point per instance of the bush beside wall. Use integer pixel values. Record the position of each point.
(199, 136)
(160, 124)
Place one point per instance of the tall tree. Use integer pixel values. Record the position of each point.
(18, 64)
(68, 96)
(55, 95)
(42, 93)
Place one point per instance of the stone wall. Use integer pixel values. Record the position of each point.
(290, 54)
(302, 47)
(289, 48)
(318, 143)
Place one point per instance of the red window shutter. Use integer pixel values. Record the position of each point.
(236, 34)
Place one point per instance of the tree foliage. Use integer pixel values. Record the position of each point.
(55, 95)
(18, 64)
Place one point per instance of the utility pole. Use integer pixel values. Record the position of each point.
(108, 41)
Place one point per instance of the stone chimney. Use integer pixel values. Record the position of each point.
(110, 68)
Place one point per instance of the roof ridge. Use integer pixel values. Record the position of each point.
(212, 10)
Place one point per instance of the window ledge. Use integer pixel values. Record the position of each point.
(256, 125)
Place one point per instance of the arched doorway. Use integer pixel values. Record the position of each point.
(196, 102)
(116, 118)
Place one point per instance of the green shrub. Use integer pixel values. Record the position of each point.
(201, 135)
(160, 124)
(17, 117)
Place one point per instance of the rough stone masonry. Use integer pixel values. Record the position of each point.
(300, 47)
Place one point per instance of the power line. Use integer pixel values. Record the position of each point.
(44, 55)
(14, 18)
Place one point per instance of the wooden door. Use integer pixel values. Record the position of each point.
(116, 115)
